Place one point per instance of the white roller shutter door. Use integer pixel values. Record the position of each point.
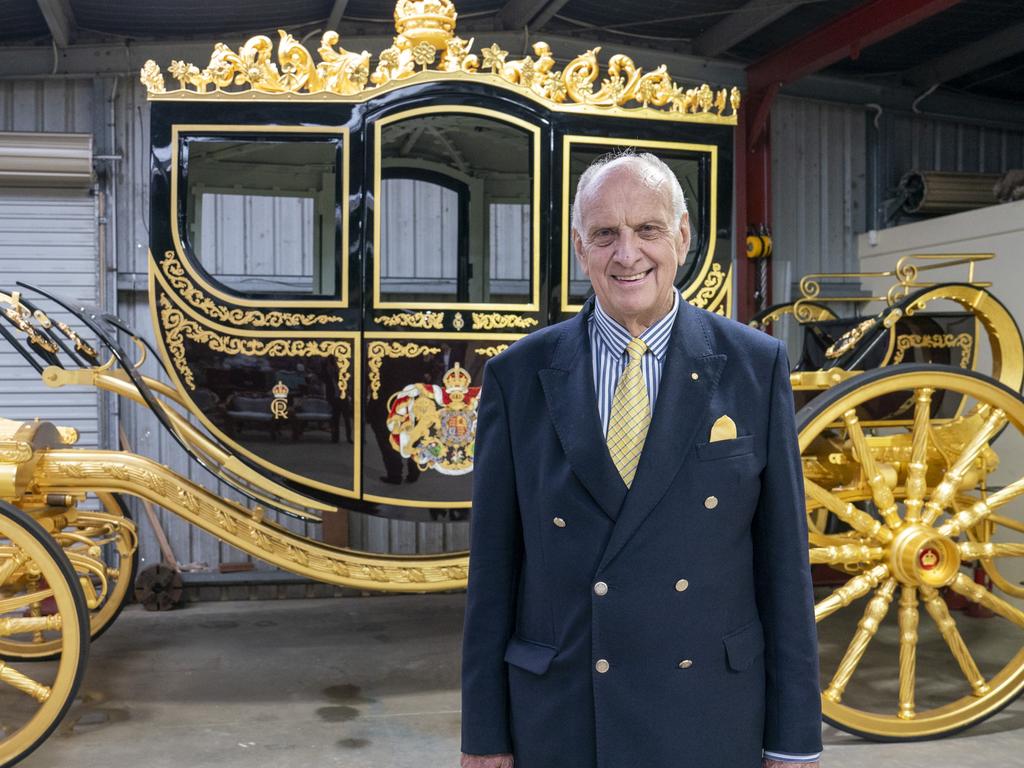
(48, 238)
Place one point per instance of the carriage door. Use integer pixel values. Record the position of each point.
(453, 271)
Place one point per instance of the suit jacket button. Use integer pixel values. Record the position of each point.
(681, 585)
(602, 666)
(711, 502)
(601, 588)
(685, 664)
(559, 522)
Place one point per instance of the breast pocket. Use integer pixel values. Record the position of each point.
(722, 449)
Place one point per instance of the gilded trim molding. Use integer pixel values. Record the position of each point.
(178, 278)
(431, 321)
(490, 321)
(376, 351)
(177, 327)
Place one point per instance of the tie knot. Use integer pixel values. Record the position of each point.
(635, 349)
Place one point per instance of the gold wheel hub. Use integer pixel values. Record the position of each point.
(919, 556)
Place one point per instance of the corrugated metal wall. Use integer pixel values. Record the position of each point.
(821, 155)
(818, 189)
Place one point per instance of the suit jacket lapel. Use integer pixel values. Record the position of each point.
(572, 403)
(678, 412)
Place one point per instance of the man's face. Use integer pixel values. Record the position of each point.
(629, 246)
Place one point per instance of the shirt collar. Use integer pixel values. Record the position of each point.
(615, 337)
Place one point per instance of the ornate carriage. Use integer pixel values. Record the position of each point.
(337, 248)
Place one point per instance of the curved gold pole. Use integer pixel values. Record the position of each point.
(266, 490)
(79, 471)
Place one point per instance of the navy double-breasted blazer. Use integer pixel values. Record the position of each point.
(706, 625)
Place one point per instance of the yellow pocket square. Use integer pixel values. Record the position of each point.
(723, 429)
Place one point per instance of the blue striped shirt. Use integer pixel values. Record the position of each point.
(608, 342)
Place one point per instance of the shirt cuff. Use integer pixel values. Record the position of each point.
(786, 758)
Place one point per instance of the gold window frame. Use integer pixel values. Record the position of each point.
(535, 274)
(329, 131)
(353, 337)
(570, 139)
(486, 339)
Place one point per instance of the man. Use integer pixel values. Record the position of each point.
(639, 593)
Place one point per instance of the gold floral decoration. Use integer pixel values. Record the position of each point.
(426, 45)
(177, 328)
(378, 350)
(497, 349)
(178, 278)
(489, 321)
(907, 341)
(431, 321)
(710, 289)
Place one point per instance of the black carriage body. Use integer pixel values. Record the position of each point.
(319, 390)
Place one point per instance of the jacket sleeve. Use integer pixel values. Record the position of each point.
(494, 563)
(783, 582)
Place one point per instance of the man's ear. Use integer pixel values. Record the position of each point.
(577, 246)
(684, 238)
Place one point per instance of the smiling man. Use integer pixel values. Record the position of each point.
(639, 593)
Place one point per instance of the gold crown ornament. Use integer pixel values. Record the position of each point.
(457, 379)
(425, 21)
(280, 390)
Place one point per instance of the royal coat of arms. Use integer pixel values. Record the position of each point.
(435, 425)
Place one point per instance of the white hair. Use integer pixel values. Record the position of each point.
(650, 169)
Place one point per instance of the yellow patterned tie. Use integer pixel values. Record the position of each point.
(631, 415)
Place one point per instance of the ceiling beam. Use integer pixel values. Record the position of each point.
(529, 13)
(337, 11)
(844, 36)
(60, 20)
(752, 17)
(960, 61)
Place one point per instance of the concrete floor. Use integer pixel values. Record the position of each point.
(352, 682)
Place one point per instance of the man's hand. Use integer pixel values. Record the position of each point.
(487, 761)
(769, 763)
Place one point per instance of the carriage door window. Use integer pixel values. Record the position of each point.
(455, 211)
(261, 213)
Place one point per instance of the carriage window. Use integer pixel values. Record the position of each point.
(261, 215)
(456, 211)
(687, 167)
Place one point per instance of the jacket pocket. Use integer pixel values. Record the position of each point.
(744, 645)
(721, 449)
(528, 655)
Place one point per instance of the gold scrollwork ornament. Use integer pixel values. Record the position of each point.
(376, 351)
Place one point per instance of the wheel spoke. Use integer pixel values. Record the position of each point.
(908, 651)
(875, 611)
(857, 519)
(973, 550)
(916, 485)
(1007, 522)
(953, 477)
(939, 612)
(845, 554)
(24, 683)
(855, 588)
(35, 624)
(981, 509)
(881, 493)
(11, 604)
(8, 567)
(972, 591)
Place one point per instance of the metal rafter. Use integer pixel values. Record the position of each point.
(960, 61)
(59, 19)
(844, 36)
(529, 13)
(752, 17)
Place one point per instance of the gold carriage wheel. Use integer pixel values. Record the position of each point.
(924, 477)
(120, 580)
(33, 568)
